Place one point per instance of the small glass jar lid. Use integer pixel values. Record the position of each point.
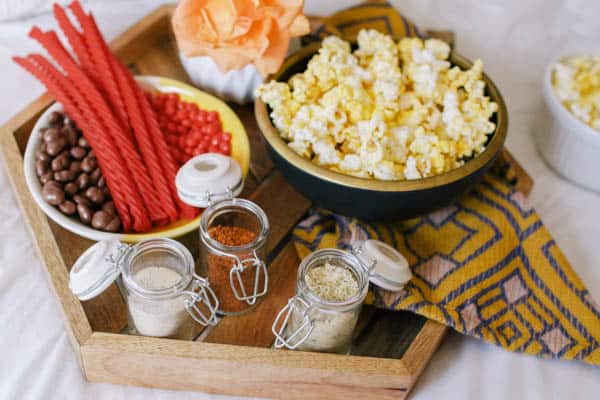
(96, 269)
(209, 178)
(388, 269)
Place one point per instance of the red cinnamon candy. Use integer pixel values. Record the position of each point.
(133, 161)
(109, 161)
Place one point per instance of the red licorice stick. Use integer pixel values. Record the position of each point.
(127, 148)
(77, 43)
(102, 56)
(98, 139)
(166, 159)
(94, 99)
(149, 153)
(169, 165)
(99, 51)
(55, 84)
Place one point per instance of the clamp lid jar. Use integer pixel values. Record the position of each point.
(233, 231)
(158, 282)
(331, 288)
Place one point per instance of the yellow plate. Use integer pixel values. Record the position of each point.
(240, 151)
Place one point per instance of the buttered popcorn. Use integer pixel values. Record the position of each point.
(576, 81)
(388, 111)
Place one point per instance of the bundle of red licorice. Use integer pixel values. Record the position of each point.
(118, 121)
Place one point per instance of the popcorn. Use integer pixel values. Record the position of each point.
(576, 82)
(388, 111)
(325, 152)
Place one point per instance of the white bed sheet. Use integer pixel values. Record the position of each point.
(514, 38)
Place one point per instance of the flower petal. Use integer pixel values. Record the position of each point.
(227, 59)
(300, 26)
(287, 10)
(272, 58)
(223, 15)
(256, 40)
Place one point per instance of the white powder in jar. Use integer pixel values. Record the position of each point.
(332, 329)
(156, 278)
(156, 317)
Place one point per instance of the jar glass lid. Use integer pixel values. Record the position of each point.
(209, 178)
(388, 268)
(96, 269)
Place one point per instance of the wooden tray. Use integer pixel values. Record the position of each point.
(390, 348)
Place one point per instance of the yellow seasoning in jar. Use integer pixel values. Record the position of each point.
(332, 283)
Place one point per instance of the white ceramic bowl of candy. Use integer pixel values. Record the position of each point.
(71, 220)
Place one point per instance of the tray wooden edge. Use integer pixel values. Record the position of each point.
(421, 350)
(238, 370)
(207, 367)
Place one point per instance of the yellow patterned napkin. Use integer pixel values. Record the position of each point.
(485, 266)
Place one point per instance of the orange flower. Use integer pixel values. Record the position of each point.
(235, 33)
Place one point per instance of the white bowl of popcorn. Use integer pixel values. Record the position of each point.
(568, 132)
(384, 129)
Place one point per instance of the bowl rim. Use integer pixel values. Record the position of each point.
(273, 138)
(69, 223)
(558, 109)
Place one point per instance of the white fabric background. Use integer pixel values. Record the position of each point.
(514, 38)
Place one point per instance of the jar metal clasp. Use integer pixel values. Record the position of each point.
(117, 257)
(295, 339)
(228, 194)
(357, 250)
(201, 293)
(237, 284)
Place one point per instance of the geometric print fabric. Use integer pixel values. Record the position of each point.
(485, 266)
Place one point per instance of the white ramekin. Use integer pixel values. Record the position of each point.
(568, 145)
(238, 85)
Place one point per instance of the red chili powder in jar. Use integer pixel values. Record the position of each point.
(218, 267)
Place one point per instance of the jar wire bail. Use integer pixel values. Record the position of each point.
(235, 275)
(293, 304)
(202, 293)
(227, 195)
(357, 250)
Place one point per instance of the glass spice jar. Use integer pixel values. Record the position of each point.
(331, 288)
(158, 283)
(233, 231)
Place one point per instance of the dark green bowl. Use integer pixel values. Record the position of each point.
(370, 199)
